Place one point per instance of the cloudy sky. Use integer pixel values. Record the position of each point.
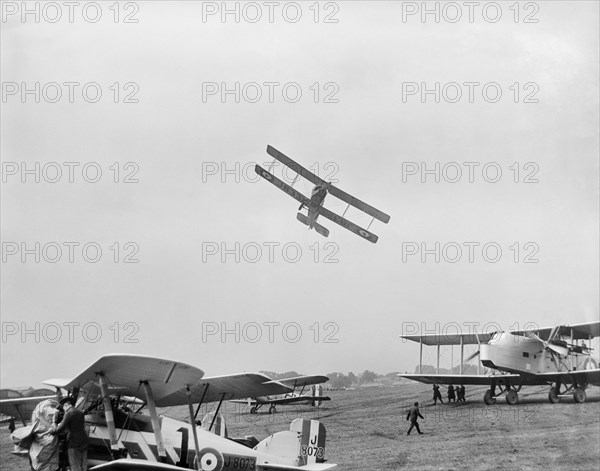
(477, 133)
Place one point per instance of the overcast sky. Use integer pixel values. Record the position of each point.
(312, 304)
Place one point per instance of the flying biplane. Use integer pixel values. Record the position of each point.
(314, 204)
(555, 356)
(126, 439)
(296, 397)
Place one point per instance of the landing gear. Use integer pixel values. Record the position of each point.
(576, 390)
(272, 410)
(512, 394)
(488, 398)
(579, 395)
(253, 410)
(512, 397)
(553, 395)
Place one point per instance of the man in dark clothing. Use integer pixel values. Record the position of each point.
(462, 392)
(414, 414)
(451, 396)
(436, 394)
(77, 440)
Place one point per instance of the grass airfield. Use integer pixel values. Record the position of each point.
(366, 429)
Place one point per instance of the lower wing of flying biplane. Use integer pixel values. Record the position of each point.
(341, 221)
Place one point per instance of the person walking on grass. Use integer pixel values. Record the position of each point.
(413, 415)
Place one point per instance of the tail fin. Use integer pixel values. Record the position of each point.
(303, 445)
(218, 428)
(318, 393)
(312, 440)
(317, 227)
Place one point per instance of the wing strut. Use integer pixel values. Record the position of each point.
(216, 412)
(108, 412)
(369, 226)
(201, 401)
(420, 355)
(346, 210)
(193, 422)
(162, 453)
(462, 354)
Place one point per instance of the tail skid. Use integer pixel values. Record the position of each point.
(317, 227)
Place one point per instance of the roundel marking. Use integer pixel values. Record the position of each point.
(364, 233)
(210, 459)
(266, 175)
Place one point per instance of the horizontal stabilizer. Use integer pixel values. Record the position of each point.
(315, 225)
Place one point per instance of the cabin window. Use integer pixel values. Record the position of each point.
(526, 354)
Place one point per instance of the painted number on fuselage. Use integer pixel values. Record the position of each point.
(239, 462)
(309, 450)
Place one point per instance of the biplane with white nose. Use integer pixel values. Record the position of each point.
(125, 439)
(314, 204)
(555, 356)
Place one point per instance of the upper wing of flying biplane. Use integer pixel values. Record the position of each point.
(342, 195)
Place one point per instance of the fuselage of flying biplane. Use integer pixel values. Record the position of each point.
(317, 197)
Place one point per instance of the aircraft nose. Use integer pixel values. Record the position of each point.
(487, 355)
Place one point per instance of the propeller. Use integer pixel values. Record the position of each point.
(472, 356)
(564, 351)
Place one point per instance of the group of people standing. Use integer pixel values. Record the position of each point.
(454, 394)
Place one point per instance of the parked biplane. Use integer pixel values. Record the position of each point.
(314, 204)
(296, 397)
(126, 439)
(20, 404)
(555, 356)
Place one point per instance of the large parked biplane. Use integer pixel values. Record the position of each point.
(314, 204)
(126, 439)
(315, 397)
(556, 356)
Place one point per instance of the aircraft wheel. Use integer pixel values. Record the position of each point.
(579, 395)
(512, 397)
(253, 410)
(272, 410)
(553, 395)
(488, 398)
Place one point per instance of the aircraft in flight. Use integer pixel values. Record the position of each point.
(557, 356)
(296, 397)
(314, 204)
(124, 439)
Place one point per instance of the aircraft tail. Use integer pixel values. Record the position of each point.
(317, 227)
(317, 392)
(303, 447)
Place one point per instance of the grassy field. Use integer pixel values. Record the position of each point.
(366, 430)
